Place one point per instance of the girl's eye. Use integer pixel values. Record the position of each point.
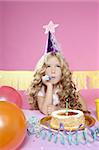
(48, 66)
(58, 66)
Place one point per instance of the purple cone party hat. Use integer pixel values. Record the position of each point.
(51, 44)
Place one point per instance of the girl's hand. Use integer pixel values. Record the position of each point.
(50, 109)
(87, 112)
(46, 80)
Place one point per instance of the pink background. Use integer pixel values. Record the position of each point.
(22, 38)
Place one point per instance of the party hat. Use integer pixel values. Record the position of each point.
(51, 44)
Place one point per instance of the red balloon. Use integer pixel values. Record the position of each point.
(12, 126)
(11, 94)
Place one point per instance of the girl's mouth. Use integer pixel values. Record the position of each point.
(52, 77)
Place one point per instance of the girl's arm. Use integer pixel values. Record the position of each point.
(45, 101)
(84, 105)
(82, 101)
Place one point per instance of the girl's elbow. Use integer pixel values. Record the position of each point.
(43, 110)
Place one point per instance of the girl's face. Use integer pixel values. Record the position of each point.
(53, 69)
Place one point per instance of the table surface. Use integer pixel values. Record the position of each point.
(31, 142)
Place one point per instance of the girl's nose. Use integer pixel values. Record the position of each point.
(53, 70)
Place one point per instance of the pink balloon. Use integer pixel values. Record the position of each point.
(10, 94)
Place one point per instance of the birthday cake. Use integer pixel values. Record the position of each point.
(70, 119)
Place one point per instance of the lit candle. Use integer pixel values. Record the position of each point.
(66, 108)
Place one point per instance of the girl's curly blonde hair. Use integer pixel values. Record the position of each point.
(66, 85)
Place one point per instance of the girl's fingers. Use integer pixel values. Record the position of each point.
(49, 110)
